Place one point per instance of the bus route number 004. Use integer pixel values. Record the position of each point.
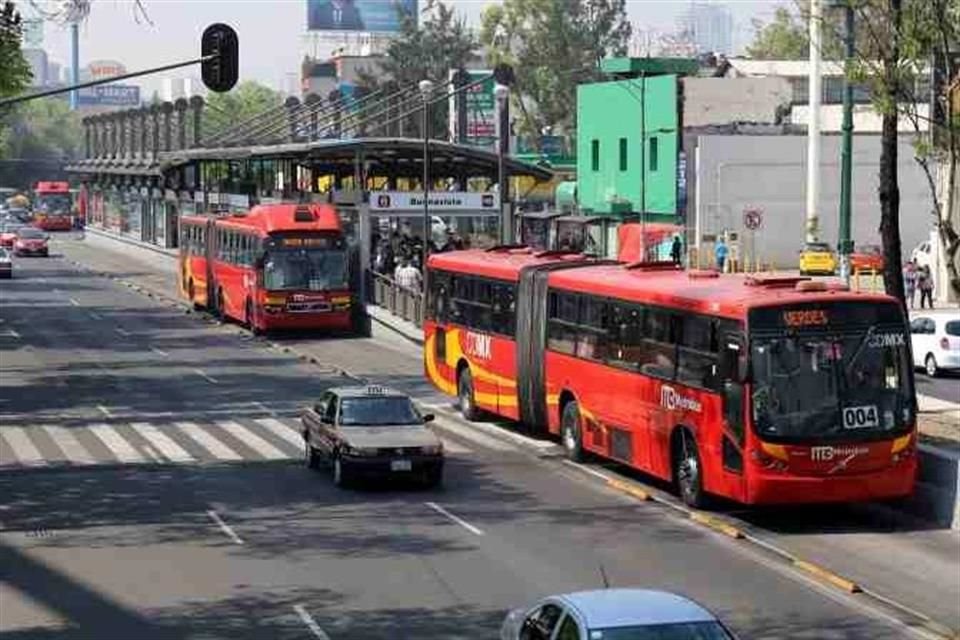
(860, 417)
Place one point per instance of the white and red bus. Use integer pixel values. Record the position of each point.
(53, 206)
(760, 390)
(280, 266)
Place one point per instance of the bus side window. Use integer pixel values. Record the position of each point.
(504, 309)
(658, 355)
(562, 323)
(592, 339)
(697, 354)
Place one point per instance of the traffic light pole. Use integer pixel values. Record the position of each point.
(845, 247)
(83, 85)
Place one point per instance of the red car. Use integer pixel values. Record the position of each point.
(868, 257)
(31, 241)
(8, 234)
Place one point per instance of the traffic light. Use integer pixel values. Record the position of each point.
(220, 72)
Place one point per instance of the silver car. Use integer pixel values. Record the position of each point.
(371, 432)
(614, 614)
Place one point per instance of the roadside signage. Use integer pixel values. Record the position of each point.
(752, 219)
(446, 201)
(110, 95)
(481, 110)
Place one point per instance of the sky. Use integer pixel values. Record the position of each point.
(272, 33)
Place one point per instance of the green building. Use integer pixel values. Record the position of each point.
(628, 140)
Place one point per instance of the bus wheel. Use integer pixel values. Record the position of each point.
(570, 433)
(341, 478)
(468, 406)
(687, 470)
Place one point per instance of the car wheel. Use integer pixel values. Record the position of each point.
(930, 366)
(465, 396)
(688, 472)
(310, 456)
(341, 477)
(570, 432)
(433, 478)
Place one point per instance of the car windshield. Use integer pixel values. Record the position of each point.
(952, 328)
(676, 631)
(831, 385)
(310, 269)
(30, 233)
(377, 412)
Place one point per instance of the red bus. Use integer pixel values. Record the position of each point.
(53, 206)
(279, 266)
(760, 390)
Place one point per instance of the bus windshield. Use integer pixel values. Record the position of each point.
(831, 385)
(305, 269)
(53, 203)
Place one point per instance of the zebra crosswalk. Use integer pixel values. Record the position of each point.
(172, 441)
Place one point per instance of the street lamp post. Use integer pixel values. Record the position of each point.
(502, 93)
(426, 90)
(846, 152)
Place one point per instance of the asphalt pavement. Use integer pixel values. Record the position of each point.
(151, 487)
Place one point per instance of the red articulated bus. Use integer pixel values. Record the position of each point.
(53, 207)
(280, 266)
(760, 390)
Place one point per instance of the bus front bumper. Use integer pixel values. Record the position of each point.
(887, 484)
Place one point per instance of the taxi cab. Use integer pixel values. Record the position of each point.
(371, 432)
(817, 258)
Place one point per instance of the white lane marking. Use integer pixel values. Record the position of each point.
(264, 408)
(56, 290)
(75, 452)
(104, 411)
(586, 469)
(10, 333)
(122, 450)
(473, 436)
(213, 446)
(23, 448)
(252, 440)
(203, 375)
(310, 622)
(282, 430)
(74, 302)
(451, 446)
(163, 443)
(460, 521)
(159, 352)
(121, 331)
(95, 316)
(224, 526)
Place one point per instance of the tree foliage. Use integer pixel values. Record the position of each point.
(247, 99)
(14, 70)
(43, 129)
(553, 45)
(783, 38)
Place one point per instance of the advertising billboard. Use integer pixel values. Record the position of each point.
(481, 110)
(110, 95)
(370, 16)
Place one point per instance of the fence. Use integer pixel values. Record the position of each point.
(399, 301)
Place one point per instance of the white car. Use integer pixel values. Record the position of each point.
(935, 338)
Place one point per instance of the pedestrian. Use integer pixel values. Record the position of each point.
(676, 250)
(925, 284)
(408, 277)
(910, 281)
(721, 254)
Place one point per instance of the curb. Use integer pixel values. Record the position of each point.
(829, 576)
(130, 241)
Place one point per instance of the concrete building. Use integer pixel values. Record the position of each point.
(38, 61)
(796, 73)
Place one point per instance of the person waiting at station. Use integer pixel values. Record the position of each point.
(721, 254)
(676, 250)
(407, 276)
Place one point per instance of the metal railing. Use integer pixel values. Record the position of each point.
(399, 301)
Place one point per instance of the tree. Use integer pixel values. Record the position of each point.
(43, 129)
(428, 50)
(783, 38)
(553, 45)
(225, 110)
(14, 70)
(902, 38)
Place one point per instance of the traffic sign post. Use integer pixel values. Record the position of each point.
(753, 220)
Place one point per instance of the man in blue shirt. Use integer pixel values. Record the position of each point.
(721, 254)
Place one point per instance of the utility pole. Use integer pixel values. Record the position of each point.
(845, 245)
(74, 63)
(813, 124)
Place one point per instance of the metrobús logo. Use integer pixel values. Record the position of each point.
(478, 345)
(828, 453)
(672, 400)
